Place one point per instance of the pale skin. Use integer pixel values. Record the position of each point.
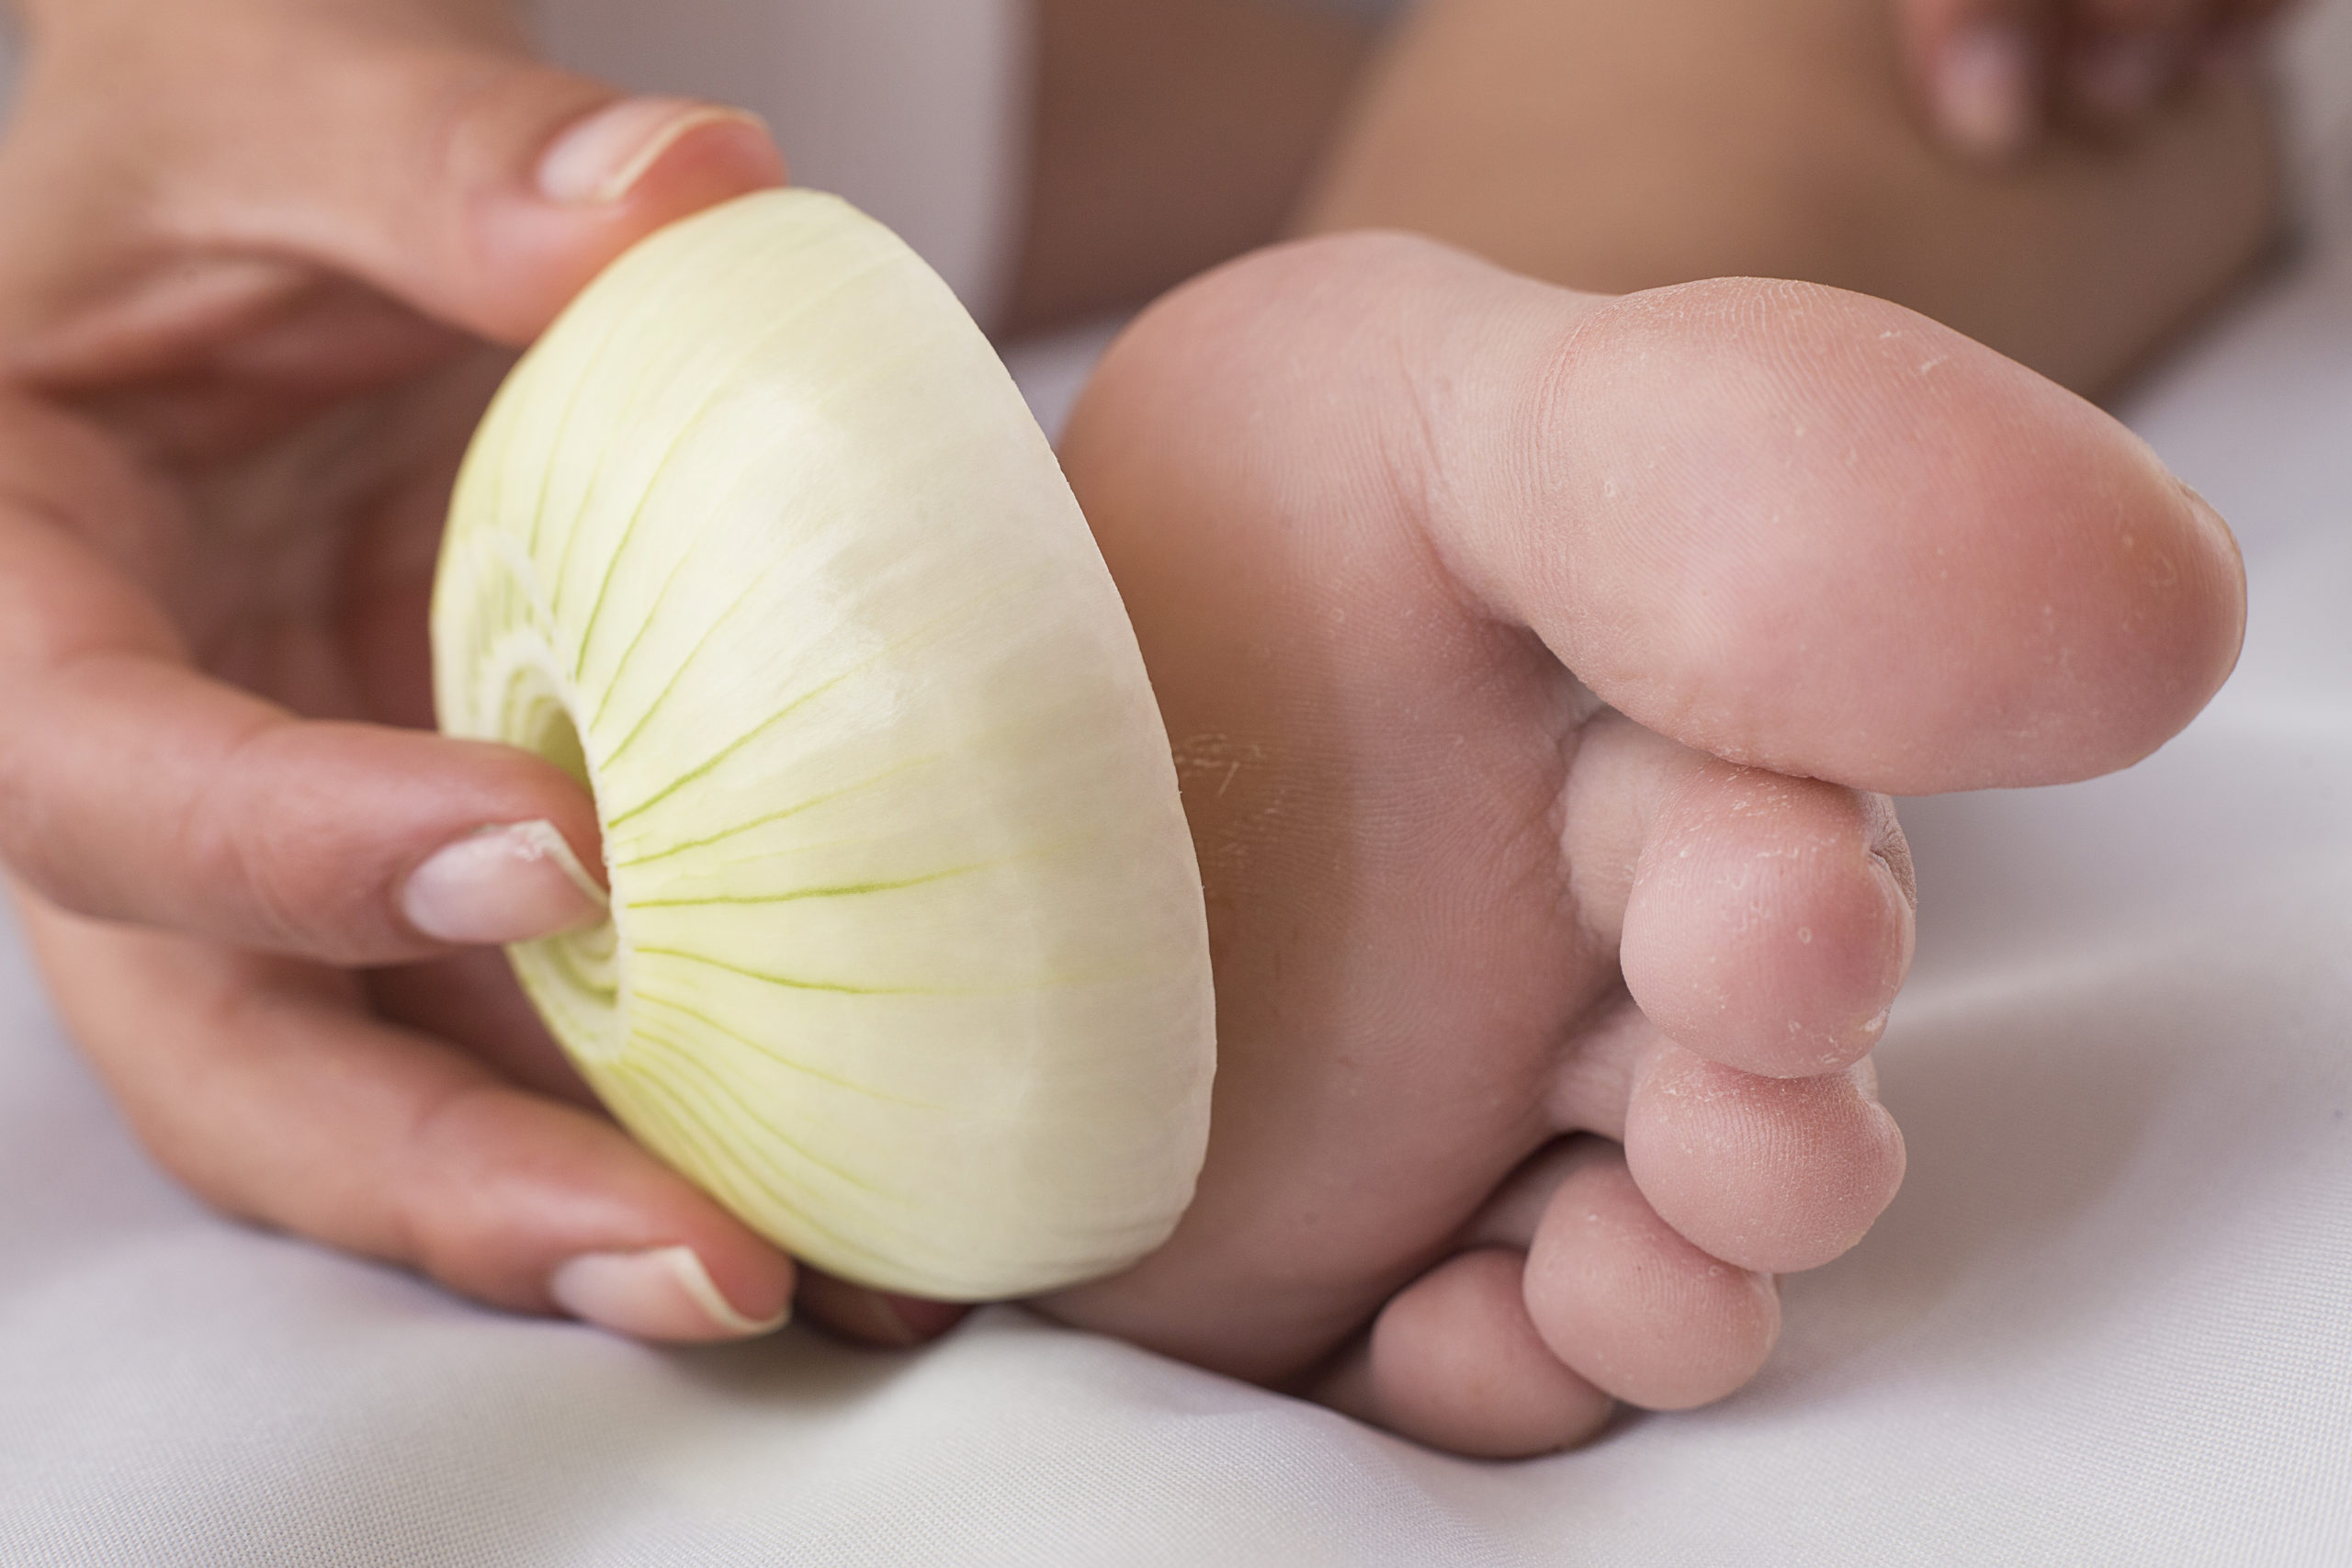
(1531, 755)
(1488, 668)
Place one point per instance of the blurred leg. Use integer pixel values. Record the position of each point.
(1616, 147)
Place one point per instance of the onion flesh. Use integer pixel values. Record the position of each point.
(907, 964)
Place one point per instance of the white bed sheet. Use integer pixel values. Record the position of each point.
(2108, 1320)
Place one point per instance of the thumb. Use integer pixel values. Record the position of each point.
(485, 190)
(449, 169)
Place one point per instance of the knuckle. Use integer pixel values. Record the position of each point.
(244, 845)
(447, 1202)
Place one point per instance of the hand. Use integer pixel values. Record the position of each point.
(264, 262)
(1994, 74)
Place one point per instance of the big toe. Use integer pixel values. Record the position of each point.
(1798, 528)
(1825, 536)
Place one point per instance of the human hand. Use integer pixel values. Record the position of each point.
(264, 262)
(1994, 74)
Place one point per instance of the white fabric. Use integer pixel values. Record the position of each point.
(2108, 1321)
(917, 110)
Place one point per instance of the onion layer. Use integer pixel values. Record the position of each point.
(907, 964)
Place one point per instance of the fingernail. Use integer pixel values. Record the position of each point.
(662, 1294)
(1986, 91)
(2119, 77)
(599, 160)
(514, 882)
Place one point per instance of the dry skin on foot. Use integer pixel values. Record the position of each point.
(1535, 663)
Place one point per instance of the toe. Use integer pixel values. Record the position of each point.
(1803, 529)
(1769, 920)
(1775, 1174)
(1817, 534)
(1454, 1362)
(1633, 1306)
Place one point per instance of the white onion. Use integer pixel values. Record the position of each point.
(907, 964)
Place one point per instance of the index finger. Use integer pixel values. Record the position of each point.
(134, 789)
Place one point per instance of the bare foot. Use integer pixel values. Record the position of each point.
(1530, 657)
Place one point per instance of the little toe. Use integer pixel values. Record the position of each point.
(1769, 923)
(1454, 1362)
(1767, 1173)
(1633, 1306)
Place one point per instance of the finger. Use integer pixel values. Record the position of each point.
(139, 790)
(535, 179)
(472, 1000)
(440, 163)
(261, 1085)
(1795, 528)
(1981, 67)
(149, 794)
(2122, 57)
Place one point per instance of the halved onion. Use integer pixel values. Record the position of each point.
(907, 964)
